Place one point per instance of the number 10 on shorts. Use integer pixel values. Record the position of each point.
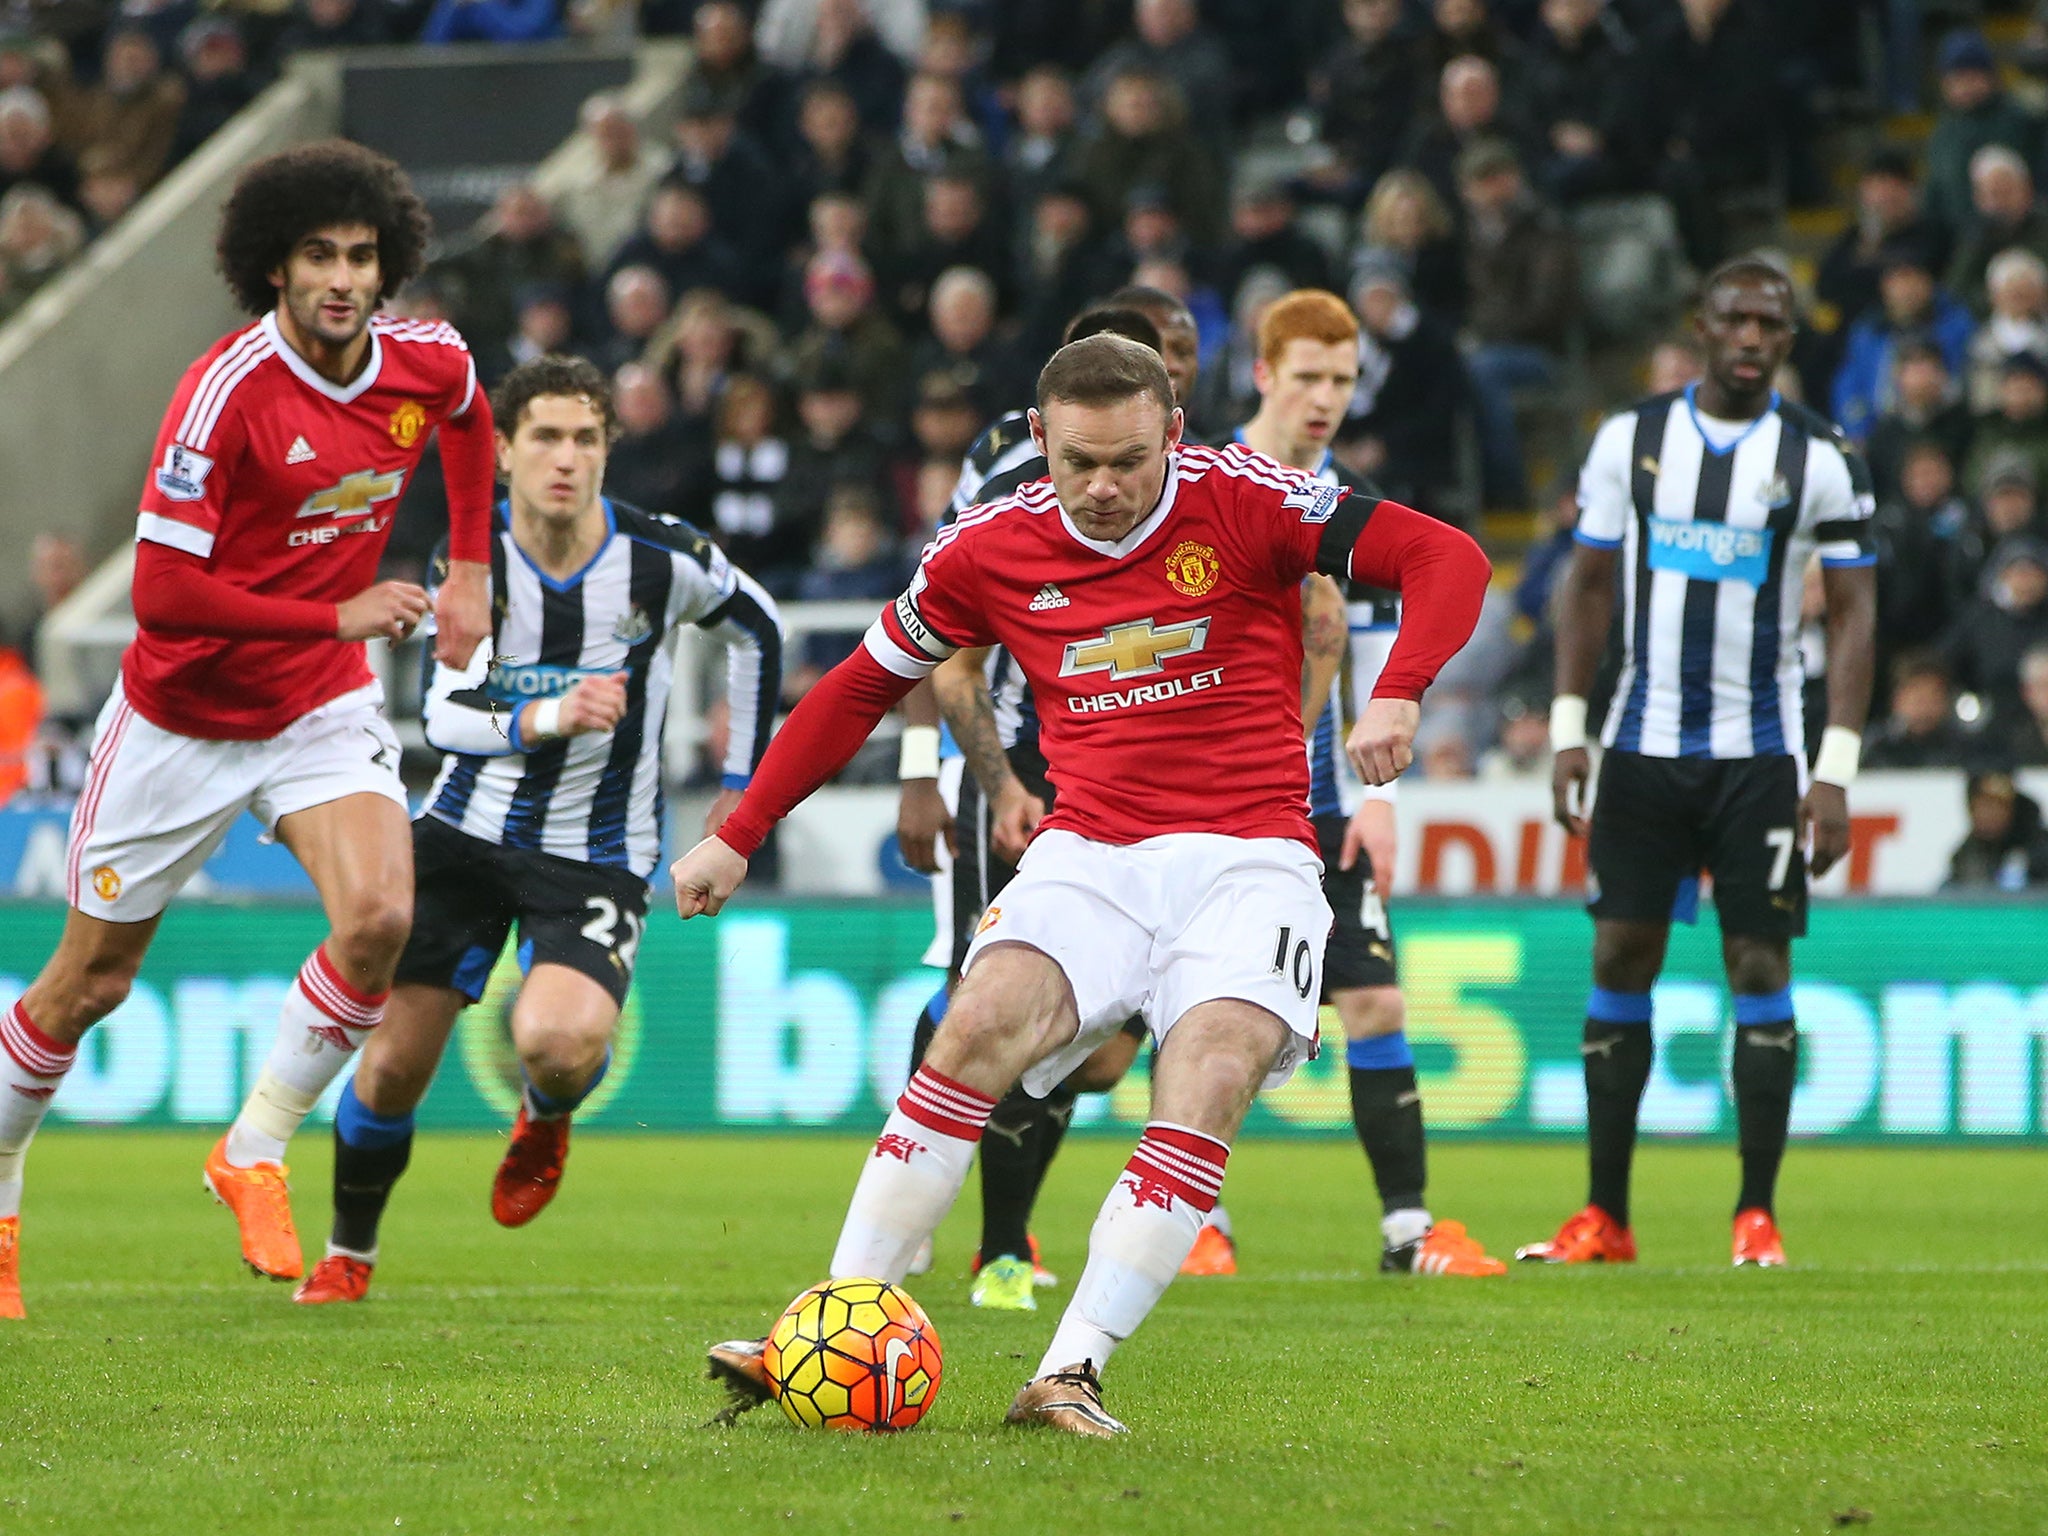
(1293, 959)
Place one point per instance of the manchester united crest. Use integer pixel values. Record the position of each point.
(407, 423)
(106, 883)
(1192, 569)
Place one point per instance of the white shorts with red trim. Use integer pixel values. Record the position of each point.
(1157, 927)
(156, 804)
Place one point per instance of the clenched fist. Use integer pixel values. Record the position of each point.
(706, 877)
(1382, 744)
(390, 609)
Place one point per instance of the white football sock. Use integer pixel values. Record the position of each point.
(1144, 1231)
(31, 1067)
(322, 1023)
(911, 1178)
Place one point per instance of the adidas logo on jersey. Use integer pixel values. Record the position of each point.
(301, 452)
(1049, 597)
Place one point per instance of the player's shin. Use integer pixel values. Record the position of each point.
(1143, 1232)
(370, 1153)
(1386, 1111)
(1765, 1069)
(911, 1177)
(1617, 1049)
(31, 1067)
(323, 1021)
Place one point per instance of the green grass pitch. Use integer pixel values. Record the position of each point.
(551, 1379)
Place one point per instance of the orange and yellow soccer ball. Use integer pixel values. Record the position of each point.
(854, 1354)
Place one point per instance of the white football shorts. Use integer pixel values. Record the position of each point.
(940, 955)
(1157, 927)
(156, 804)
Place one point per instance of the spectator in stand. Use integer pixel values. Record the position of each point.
(739, 182)
(218, 80)
(1144, 140)
(1523, 277)
(546, 324)
(105, 192)
(830, 155)
(2024, 743)
(523, 246)
(1468, 113)
(1523, 749)
(841, 46)
(1172, 277)
(1975, 111)
(128, 120)
(1546, 559)
(38, 237)
(790, 32)
(1402, 427)
(29, 152)
(838, 221)
(1366, 91)
(1713, 112)
(2007, 506)
(936, 138)
(1172, 45)
(2007, 849)
(1887, 210)
(56, 567)
(962, 343)
(1062, 268)
(706, 349)
(856, 561)
(1673, 364)
(1925, 405)
(2017, 283)
(492, 21)
(2008, 618)
(2020, 425)
(740, 500)
(1923, 534)
(677, 241)
(1459, 29)
(956, 231)
(21, 717)
(1447, 759)
(654, 461)
(319, 24)
(954, 49)
(1264, 235)
(1576, 86)
(1227, 395)
(604, 208)
(1407, 223)
(1040, 153)
(943, 423)
(833, 445)
(1909, 304)
(636, 304)
(1921, 729)
(2004, 216)
(931, 497)
(754, 93)
(839, 295)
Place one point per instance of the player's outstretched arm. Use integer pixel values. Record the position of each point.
(1585, 608)
(174, 593)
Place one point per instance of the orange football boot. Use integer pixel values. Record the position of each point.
(1757, 1241)
(262, 1203)
(1591, 1237)
(1214, 1253)
(10, 1268)
(1448, 1249)
(338, 1277)
(532, 1170)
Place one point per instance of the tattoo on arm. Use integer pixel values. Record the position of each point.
(971, 713)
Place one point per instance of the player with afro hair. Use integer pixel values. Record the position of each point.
(284, 197)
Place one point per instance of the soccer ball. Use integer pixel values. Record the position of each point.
(854, 1354)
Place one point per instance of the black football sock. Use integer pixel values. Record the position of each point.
(1009, 1175)
(1059, 1114)
(1765, 1068)
(370, 1153)
(927, 1026)
(1617, 1051)
(1386, 1110)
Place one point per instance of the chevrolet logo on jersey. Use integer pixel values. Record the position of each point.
(1137, 649)
(355, 495)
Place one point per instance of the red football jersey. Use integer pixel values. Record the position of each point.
(286, 485)
(1166, 667)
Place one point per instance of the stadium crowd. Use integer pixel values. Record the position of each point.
(873, 217)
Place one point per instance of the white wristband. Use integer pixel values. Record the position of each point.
(1567, 723)
(1841, 749)
(918, 758)
(547, 720)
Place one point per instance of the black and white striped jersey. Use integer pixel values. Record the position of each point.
(1715, 522)
(595, 798)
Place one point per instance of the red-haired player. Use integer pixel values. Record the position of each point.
(278, 468)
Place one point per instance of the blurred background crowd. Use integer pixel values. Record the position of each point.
(873, 217)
